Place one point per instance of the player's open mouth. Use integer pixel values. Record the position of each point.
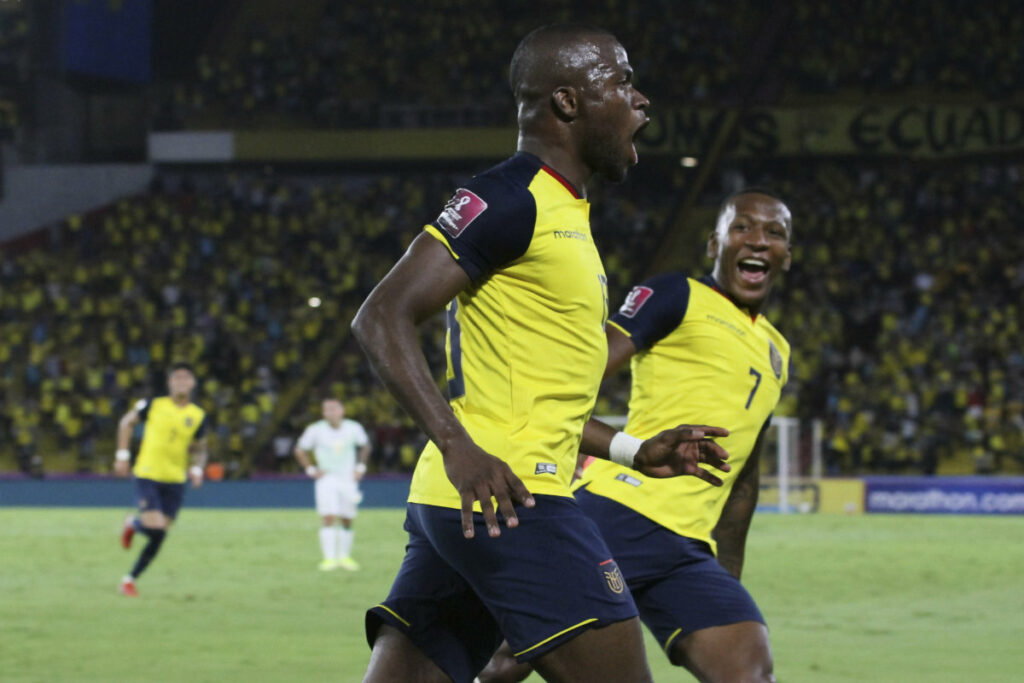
(753, 270)
(636, 134)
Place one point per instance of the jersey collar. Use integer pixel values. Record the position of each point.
(554, 174)
(710, 281)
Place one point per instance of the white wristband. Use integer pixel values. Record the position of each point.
(360, 468)
(122, 455)
(310, 470)
(195, 471)
(623, 448)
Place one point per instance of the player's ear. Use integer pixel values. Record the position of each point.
(713, 246)
(565, 102)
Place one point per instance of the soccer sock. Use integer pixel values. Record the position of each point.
(327, 544)
(344, 541)
(156, 539)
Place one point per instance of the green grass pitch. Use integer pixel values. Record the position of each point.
(235, 596)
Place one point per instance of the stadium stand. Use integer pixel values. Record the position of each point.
(307, 67)
(14, 72)
(907, 273)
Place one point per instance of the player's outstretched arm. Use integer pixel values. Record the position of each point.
(671, 453)
(418, 287)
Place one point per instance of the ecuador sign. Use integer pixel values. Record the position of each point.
(925, 130)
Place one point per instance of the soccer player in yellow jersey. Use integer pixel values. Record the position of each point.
(173, 438)
(700, 350)
(512, 256)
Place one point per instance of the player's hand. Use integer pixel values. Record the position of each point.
(195, 477)
(122, 468)
(479, 476)
(681, 450)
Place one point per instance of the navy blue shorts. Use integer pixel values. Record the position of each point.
(158, 495)
(538, 585)
(678, 585)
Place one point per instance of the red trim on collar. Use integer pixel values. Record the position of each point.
(560, 178)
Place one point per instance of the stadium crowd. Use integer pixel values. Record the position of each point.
(220, 275)
(905, 276)
(221, 272)
(14, 72)
(312, 73)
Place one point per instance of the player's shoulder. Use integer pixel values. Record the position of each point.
(669, 288)
(499, 193)
(704, 283)
(158, 402)
(517, 171)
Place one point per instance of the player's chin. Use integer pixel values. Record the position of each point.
(615, 173)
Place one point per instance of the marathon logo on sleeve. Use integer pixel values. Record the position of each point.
(635, 301)
(462, 209)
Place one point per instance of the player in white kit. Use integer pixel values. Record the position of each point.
(340, 448)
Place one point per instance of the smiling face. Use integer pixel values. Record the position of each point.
(612, 111)
(750, 246)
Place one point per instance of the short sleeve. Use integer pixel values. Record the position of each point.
(361, 438)
(201, 432)
(487, 224)
(142, 408)
(308, 439)
(653, 309)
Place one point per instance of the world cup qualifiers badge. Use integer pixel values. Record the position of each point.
(462, 209)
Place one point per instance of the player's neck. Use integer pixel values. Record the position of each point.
(180, 399)
(559, 160)
(334, 423)
(752, 310)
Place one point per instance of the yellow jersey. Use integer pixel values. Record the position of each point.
(168, 431)
(701, 359)
(525, 344)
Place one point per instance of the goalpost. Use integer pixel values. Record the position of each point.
(791, 464)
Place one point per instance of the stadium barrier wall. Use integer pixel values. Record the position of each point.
(923, 129)
(39, 195)
(277, 492)
(807, 494)
(891, 494)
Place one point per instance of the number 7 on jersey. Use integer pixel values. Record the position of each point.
(757, 383)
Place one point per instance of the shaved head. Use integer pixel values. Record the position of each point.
(553, 56)
(576, 105)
